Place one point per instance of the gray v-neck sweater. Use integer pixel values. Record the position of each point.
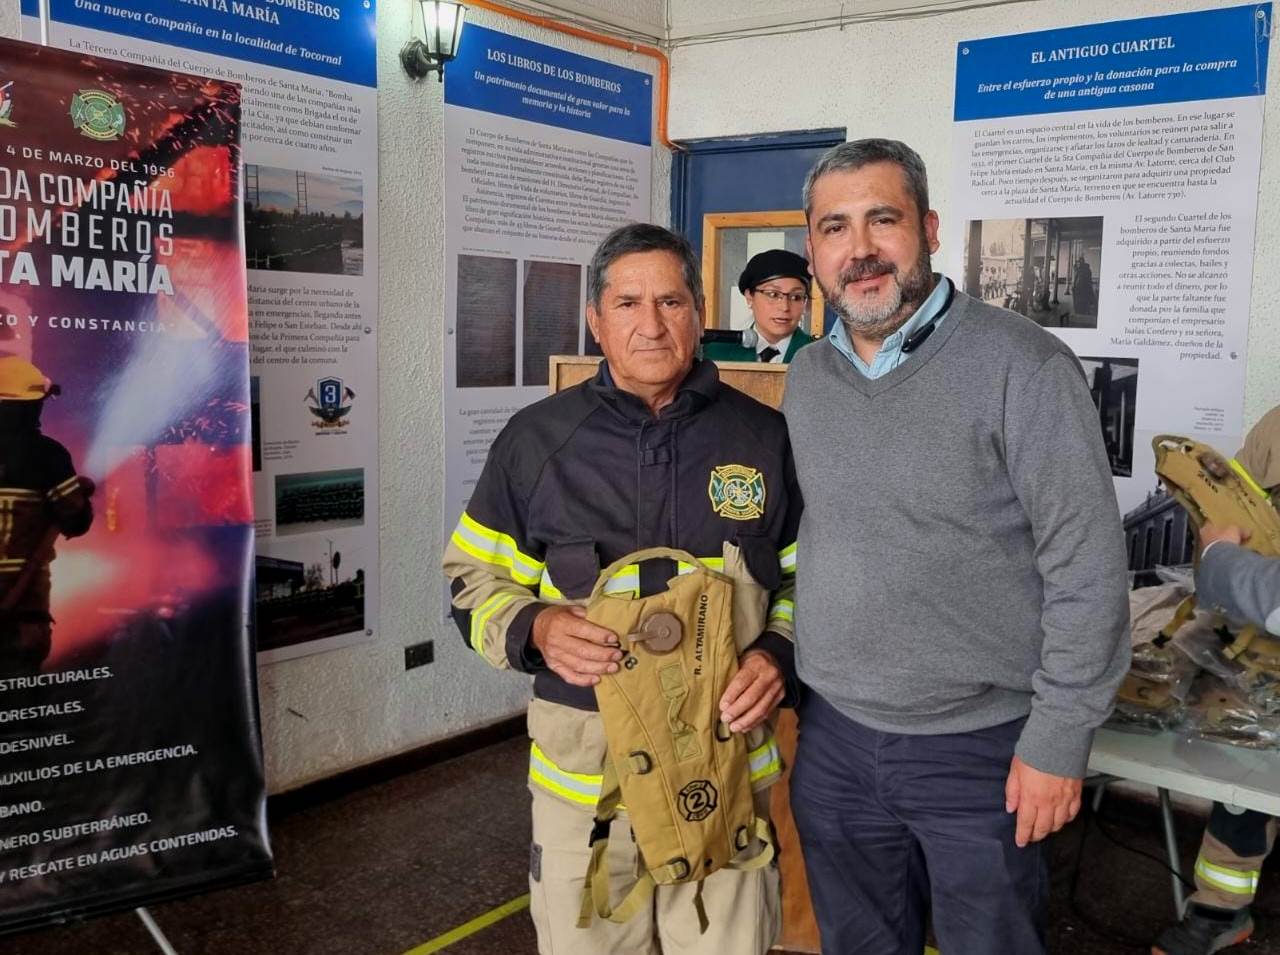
(961, 561)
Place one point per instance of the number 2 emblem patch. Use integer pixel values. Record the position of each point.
(737, 492)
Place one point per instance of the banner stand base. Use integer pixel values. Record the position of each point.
(156, 934)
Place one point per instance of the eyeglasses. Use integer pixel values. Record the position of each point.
(773, 295)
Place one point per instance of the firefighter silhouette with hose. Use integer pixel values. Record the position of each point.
(41, 497)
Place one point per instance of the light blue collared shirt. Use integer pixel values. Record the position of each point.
(891, 355)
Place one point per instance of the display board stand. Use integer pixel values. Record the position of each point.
(157, 935)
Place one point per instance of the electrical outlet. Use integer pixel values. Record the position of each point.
(419, 654)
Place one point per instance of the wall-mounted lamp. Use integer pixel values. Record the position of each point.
(442, 31)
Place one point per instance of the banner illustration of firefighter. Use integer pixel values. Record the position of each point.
(130, 761)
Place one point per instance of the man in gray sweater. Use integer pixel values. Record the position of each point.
(962, 620)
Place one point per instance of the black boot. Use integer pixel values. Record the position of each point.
(1204, 929)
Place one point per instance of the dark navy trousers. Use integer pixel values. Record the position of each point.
(895, 826)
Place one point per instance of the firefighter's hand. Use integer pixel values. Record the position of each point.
(575, 649)
(1212, 533)
(754, 693)
(1044, 802)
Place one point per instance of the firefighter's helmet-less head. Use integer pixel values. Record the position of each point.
(22, 381)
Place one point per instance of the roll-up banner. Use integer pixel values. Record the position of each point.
(130, 760)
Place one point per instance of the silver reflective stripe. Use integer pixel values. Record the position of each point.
(787, 559)
(494, 547)
(1235, 881)
(581, 788)
(764, 760)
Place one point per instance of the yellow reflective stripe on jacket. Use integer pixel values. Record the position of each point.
(546, 589)
(19, 494)
(787, 559)
(66, 487)
(1235, 881)
(1245, 476)
(625, 581)
(711, 563)
(494, 547)
(783, 610)
(481, 617)
(764, 761)
(581, 788)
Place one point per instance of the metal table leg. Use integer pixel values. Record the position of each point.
(1171, 847)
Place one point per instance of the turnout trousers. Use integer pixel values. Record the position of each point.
(894, 826)
(1231, 856)
(743, 908)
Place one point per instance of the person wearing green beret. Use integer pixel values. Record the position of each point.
(776, 287)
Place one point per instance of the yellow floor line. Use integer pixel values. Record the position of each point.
(470, 928)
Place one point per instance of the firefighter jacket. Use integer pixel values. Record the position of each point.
(39, 491)
(587, 476)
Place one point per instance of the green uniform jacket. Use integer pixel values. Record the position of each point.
(719, 351)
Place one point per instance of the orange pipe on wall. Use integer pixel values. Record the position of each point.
(664, 66)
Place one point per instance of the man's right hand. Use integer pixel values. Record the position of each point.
(576, 650)
(1213, 533)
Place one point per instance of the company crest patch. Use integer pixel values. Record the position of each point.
(737, 492)
(97, 115)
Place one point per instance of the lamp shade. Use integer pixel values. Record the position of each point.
(442, 27)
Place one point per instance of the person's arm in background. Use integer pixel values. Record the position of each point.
(1236, 581)
(67, 499)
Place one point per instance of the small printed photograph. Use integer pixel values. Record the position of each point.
(308, 591)
(1158, 533)
(297, 221)
(1046, 269)
(255, 421)
(319, 501)
(486, 338)
(552, 317)
(1113, 382)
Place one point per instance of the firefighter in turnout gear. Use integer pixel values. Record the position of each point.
(653, 451)
(1246, 586)
(40, 498)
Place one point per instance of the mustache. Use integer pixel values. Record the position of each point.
(866, 269)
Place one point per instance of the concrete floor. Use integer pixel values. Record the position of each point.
(390, 867)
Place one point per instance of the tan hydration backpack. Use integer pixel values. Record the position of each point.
(1216, 490)
(672, 764)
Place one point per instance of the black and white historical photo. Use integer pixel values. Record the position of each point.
(1046, 269)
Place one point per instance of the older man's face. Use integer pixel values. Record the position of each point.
(869, 247)
(648, 323)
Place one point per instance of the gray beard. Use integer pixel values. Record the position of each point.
(878, 322)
